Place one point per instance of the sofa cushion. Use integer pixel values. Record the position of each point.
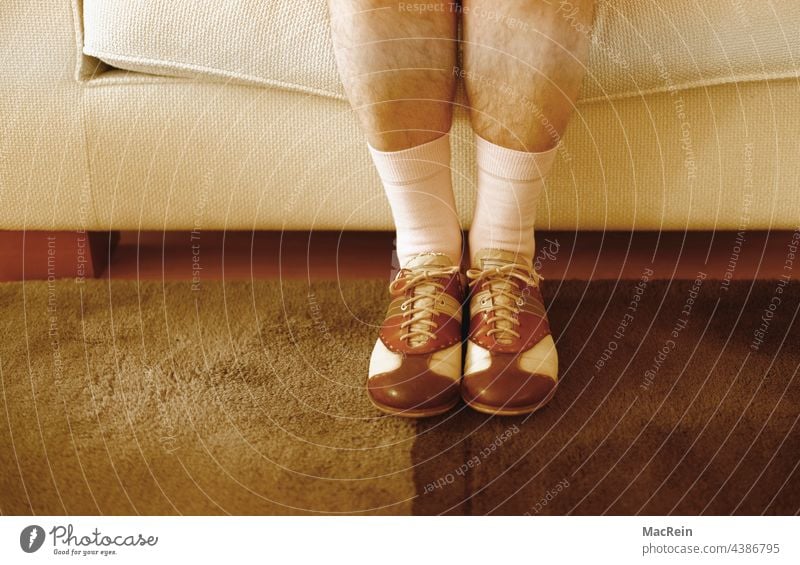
(178, 154)
(639, 46)
(282, 43)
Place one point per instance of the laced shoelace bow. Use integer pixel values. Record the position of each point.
(423, 303)
(504, 296)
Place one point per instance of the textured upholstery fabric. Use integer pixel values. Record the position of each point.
(172, 154)
(281, 43)
(640, 46)
(644, 46)
(43, 176)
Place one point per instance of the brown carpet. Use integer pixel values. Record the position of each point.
(245, 398)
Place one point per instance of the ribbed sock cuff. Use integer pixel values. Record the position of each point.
(413, 164)
(512, 164)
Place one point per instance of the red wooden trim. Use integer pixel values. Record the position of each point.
(42, 255)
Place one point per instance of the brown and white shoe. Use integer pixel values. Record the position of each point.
(511, 365)
(415, 366)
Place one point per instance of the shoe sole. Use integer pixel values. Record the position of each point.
(499, 411)
(413, 414)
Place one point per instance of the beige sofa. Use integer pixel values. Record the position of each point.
(211, 114)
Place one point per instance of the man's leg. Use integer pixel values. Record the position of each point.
(396, 62)
(524, 61)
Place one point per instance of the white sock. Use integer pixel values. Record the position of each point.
(420, 192)
(509, 184)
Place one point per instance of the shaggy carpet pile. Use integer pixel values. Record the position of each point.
(120, 397)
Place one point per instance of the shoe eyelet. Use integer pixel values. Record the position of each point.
(403, 307)
(520, 301)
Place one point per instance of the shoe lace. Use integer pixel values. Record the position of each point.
(504, 296)
(423, 303)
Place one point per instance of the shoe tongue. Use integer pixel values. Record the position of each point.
(489, 258)
(429, 260)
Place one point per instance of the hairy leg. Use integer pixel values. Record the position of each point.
(396, 62)
(523, 66)
(524, 61)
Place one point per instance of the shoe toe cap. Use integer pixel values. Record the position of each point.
(510, 382)
(413, 387)
(509, 388)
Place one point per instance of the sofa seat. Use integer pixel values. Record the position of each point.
(639, 46)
